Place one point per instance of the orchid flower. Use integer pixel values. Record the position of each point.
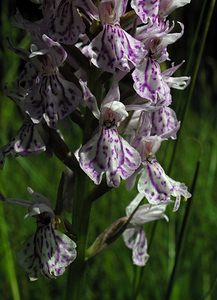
(158, 37)
(154, 85)
(61, 20)
(27, 141)
(48, 251)
(42, 91)
(107, 152)
(134, 236)
(153, 182)
(113, 48)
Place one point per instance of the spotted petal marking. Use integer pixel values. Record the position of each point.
(165, 123)
(113, 48)
(149, 84)
(108, 153)
(157, 186)
(147, 10)
(27, 141)
(56, 251)
(29, 259)
(48, 252)
(65, 24)
(135, 239)
(53, 98)
(28, 77)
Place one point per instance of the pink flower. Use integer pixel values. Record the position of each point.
(113, 48)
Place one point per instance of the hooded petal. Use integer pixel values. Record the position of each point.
(157, 186)
(56, 52)
(113, 48)
(113, 111)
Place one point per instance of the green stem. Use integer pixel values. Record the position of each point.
(81, 208)
(80, 221)
(182, 236)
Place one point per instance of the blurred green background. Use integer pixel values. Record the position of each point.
(191, 232)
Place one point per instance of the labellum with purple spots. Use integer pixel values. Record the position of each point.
(113, 48)
(47, 95)
(134, 236)
(48, 251)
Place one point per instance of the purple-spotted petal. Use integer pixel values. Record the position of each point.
(53, 98)
(29, 260)
(64, 24)
(149, 84)
(29, 76)
(48, 252)
(113, 48)
(108, 152)
(157, 186)
(56, 251)
(165, 123)
(147, 10)
(27, 141)
(135, 239)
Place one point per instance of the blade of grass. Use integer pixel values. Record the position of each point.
(194, 77)
(8, 262)
(182, 235)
